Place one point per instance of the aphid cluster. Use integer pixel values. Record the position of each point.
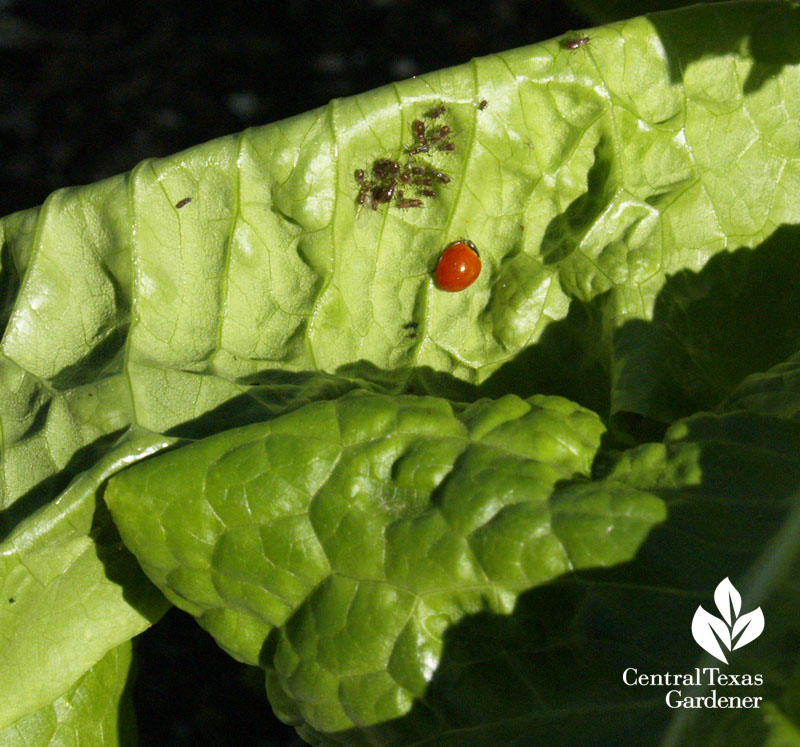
(426, 139)
(408, 181)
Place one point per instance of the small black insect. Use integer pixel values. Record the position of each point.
(436, 112)
(406, 203)
(441, 134)
(385, 194)
(385, 168)
(484, 103)
(573, 44)
(411, 325)
(185, 201)
(411, 335)
(365, 187)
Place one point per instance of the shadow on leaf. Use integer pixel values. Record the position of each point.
(46, 490)
(552, 671)
(767, 31)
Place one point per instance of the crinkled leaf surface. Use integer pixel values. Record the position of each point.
(96, 710)
(336, 544)
(367, 553)
(635, 202)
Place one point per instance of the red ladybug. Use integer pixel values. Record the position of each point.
(458, 267)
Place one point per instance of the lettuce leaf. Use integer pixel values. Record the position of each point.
(97, 709)
(407, 574)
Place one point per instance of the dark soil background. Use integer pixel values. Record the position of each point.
(89, 88)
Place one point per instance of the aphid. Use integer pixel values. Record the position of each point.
(408, 203)
(385, 195)
(484, 103)
(447, 146)
(440, 134)
(427, 192)
(185, 201)
(458, 267)
(417, 149)
(366, 187)
(573, 44)
(411, 325)
(411, 335)
(385, 168)
(436, 112)
(364, 193)
(418, 126)
(440, 176)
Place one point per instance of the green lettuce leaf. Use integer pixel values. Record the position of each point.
(69, 590)
(96, 710)
(335, 545)
(405, 574)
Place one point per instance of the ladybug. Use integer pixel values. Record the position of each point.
(458, 267)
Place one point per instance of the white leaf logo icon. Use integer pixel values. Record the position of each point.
(750, 625)
(732, 631)
(727, 600)
(704, 625)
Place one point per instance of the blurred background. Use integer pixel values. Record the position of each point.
(89, 88)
